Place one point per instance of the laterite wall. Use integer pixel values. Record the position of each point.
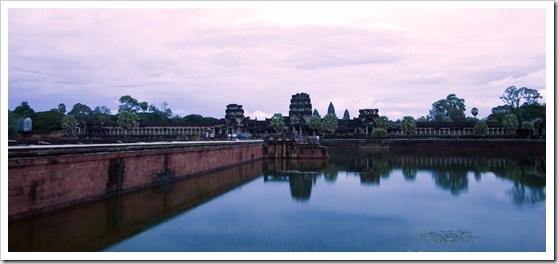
(45, 178)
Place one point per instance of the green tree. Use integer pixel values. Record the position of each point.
(480, 129)
(277, 122)
(158, 114)
(62, 108)
(315, 123)
(330, 123)
(132, 105)
(47, 121)
(453, 108)
(474, 111)
(193, 118)
(510, 123)
(83, 114)
(383, 122)
(330, 109)
(514, 97)
(379, 133)
(15, 124)
(408, 125)
(127, 120)
(101, 114)
(346, 115)
(68, 124)
(530, 125)
(81, 111)
(24, 110)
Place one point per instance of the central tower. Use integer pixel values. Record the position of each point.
(300, 111)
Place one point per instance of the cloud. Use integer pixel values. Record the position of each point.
(200, 60)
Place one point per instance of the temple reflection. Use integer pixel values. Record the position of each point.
(450, 172)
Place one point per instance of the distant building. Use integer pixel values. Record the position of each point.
(300, 111)
(234, 115)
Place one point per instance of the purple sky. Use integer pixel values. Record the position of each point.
(199, 60)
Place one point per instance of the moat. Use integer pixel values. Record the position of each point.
(356, 201)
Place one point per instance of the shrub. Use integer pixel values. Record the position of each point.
(379, 133)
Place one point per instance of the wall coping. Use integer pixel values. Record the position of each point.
(54, 150)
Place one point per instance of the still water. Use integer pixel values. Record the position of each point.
(356, 201)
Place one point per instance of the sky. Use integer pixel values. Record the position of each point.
(198, 60)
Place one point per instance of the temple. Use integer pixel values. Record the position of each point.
(236, 125)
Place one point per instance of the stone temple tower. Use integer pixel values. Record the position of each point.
(300, 111)
(234, 114)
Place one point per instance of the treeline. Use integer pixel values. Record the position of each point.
(130, 112)
(521, 109)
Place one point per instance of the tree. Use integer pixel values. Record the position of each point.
(127, 120)
(330, 123)
(158, 114)
(101, 114)
(379, 133)
(408, 125)
(480, 129)
(24, 110)
(513, 97)
(62, 108)
(330, 109)
(530, 125)
(383, 122)
(68, 124)
(132, 105)
(194, 118)
(475, 111)
(277, 122)
(315, 123)
(83, 114)
(47, 121)
(346, 115)
(453, 108)
(15, 124)
(80, 111)
(510, 122)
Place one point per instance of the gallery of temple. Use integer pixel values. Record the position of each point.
(236, 125)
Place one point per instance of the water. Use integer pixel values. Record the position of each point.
(357, 201)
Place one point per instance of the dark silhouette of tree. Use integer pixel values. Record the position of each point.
(24, 110)
(514, 97)
(450, 109)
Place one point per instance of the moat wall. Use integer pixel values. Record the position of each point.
(107, 221)
(45, 178)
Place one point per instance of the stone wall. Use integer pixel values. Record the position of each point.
(43, 178)
(108, 221)
(289, 149)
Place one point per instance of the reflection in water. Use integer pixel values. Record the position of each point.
(455, 181)
(301, 175)
(99, 225)
(449, 171)
(95, 226)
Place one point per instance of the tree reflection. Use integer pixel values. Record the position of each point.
(454, 181)
(450, 172)
(529, 180)
(301, 186)
(331, 171)
(410, 172)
